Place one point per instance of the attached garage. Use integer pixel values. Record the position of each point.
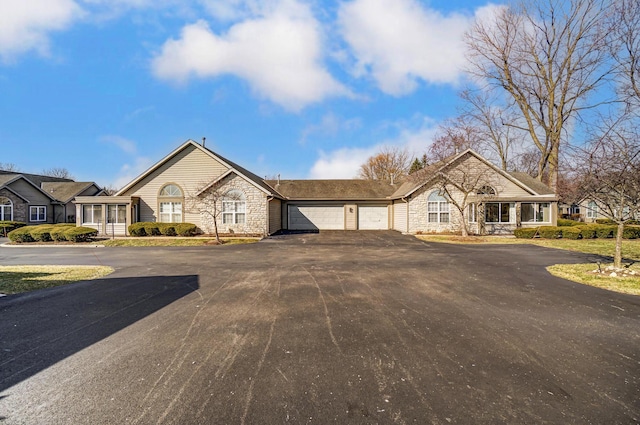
(316, 217)
(373, 217)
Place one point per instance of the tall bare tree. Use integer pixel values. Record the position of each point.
(624, 28)
(9, 166)
(547, 57)
(392, 164)
(610, 173)
(207, 201)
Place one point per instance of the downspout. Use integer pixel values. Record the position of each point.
(406, 201)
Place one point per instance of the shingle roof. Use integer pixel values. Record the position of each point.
(534, 184)
(333, 189)
(36, 179)
(65, 191)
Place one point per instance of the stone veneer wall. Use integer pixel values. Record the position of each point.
(255, 213)
(419, 218)
(20, 211)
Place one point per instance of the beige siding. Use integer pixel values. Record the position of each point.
(400, 216)
(35, 197)
(190, 169)
(275, 215)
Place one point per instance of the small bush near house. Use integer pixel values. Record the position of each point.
(603, 232)
(20, 235)
(167, 229)
(550, 232)
(525, 232)
(563, 222)
(41, 233)
(589, 231)
(80, 234)
(151, 229)
(610, 222)
(137, 229)
(631, 232)
(186, 229)
(57, 233)
(7, 226)
(572, 232)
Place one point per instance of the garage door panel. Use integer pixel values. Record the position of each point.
(307, 217)
(373, 217)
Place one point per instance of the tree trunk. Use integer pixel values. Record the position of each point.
(215, 228)
(617, 258)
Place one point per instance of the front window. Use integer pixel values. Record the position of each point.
(171, 212)
(117, 214)
(233, 208)
(535, 213)
(592, 209)
(437, 208)
(170, 200)
(91, 214)
(38, 213)
(6, 209)
(499, 212)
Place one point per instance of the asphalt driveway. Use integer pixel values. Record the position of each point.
(336, 327)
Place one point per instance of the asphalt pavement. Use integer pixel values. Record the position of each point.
(335, 327)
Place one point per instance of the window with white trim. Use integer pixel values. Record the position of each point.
(38, 213)
(117, 214)
(437, 208)
(234, 207)
(592, 209)
(486, 190)
(91, 214)
(535, 212)
(6, 209)
(499, 212)
(170, 200)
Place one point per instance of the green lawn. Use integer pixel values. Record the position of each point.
(173, 241)
(16, 279)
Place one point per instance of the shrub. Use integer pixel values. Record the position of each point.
(572, 232)
(603, 232)
(631, 232)
(80, 234)
(137, 229)
(151, 229)
(566, 223)
(550, 232)
(57, 233)
(22, 234)
(186, 229)
(606, 221)
(41, 233)
(525, 232)
(7, 226)
(167, 229)
(589, 231)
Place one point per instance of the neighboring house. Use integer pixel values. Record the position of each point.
(169, 192)
(38, 199)
(593, 209)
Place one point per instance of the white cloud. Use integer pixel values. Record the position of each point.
(414, 135)
(399, 42)
(279, 54)
(126, 145)
(26, 25)
(330, 126)
(128, 172)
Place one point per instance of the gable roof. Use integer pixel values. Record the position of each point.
(36, 179)
(333, 189)
(7, 178)
(66, 191)
(249, 176)
(429, 173)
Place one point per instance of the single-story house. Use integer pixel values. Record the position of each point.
(38, 199)
(193, 184)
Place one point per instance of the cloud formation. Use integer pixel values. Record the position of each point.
(400, 42)
(26, 25)
(279, 54)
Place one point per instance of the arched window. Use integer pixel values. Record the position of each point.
(233, 207)
(6, 209)
(170, 199)
(486, 190)
(437, 208)
(592, 209)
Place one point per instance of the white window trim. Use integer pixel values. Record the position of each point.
(511, 214)
(472, 212)
(93, 214)
(37, 209)
(592, 212)
(535, 211)
(442, 208)
(116, 206)
(234, 208)
(172, 212)
(3, 206)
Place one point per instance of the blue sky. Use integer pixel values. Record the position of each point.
(304, 89)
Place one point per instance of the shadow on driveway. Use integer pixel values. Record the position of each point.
(41, 328)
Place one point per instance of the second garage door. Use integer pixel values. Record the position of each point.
(373, 217)
(307, 217)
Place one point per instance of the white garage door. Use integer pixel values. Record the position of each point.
(303, 217)
(373, 218)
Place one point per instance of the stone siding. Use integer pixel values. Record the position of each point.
(20, 207)
(255, 212)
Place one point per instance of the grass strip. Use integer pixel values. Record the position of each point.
(583, 273)
(17, 279)
(134, 242)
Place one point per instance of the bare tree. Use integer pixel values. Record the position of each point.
(9, 166)
(391, 164)
(624, 29)
(110, 190)
(58, 172)
(547, 57)
(207, 201)
(610, 168)
(454, 136)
